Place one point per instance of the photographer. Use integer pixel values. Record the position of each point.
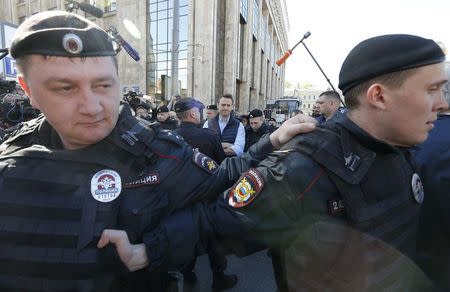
(14, 108)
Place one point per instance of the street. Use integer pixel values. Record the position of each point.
(254, 273)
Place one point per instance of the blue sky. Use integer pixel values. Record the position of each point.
(337, 26)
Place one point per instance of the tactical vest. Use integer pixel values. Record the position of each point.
(380, 210)
(229, 132)
(50, 220)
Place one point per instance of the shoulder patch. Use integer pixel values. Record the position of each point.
(204, 162)
(246, 189)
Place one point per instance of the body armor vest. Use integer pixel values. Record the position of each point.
(381, 214)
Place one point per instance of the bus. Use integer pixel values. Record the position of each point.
(280, 109)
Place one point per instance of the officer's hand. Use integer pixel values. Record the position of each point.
(229, 152)
(134, 256)
(226, 145)
(291, 128)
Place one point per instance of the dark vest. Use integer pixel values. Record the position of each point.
(251, 137)
(229, 132)
(50, 221)
(380, 209)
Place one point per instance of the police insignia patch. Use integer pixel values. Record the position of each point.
(246, 189)
(204, 162)
(106, 185)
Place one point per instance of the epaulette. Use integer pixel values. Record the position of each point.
(333, 149)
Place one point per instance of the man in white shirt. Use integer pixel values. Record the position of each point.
(229, 129)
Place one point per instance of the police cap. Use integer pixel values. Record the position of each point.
(60, 33)
(212, 107)
(387, 54)
(185, 104)
(162, 109)
(255, 113)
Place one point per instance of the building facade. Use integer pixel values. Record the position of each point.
(213, 47)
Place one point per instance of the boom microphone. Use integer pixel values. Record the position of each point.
(92, 10)
(85, 7)
(289, 51)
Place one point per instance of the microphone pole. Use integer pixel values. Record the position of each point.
(324, 75)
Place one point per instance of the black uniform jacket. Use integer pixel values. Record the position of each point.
(202, 139)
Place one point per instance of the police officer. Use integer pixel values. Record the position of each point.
(207, 142)
(211, 111)
(87, 164)
(343, 202)
(164, 119)
(202, 139)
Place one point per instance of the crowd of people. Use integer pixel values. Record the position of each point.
(100, 193)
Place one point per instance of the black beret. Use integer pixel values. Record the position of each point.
(255, 113)
(162, 109)
(386, 54)
(60, 33)
(185, 104)
(212, 107)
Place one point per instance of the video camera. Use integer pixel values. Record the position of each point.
(7, 86)
(14, 107)
(136, 100)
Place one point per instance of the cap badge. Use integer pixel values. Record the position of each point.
(106, 185)
(72, 43)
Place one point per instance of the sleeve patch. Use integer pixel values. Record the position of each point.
(204, 162)
(246, 189)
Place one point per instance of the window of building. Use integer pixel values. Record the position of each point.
(255, 24)
(261, 71)
(263, 34)
(244, 10)
(253, 67)
(159, 55)
(268, 44)
(22, 19)
(240, 57)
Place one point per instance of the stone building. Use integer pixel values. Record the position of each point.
(221, 46)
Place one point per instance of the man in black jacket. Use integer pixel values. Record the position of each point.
(256, 128)
(163, 116)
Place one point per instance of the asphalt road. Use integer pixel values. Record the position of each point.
(254, 273)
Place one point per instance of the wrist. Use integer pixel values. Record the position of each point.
(139, 258)
(274, 140)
